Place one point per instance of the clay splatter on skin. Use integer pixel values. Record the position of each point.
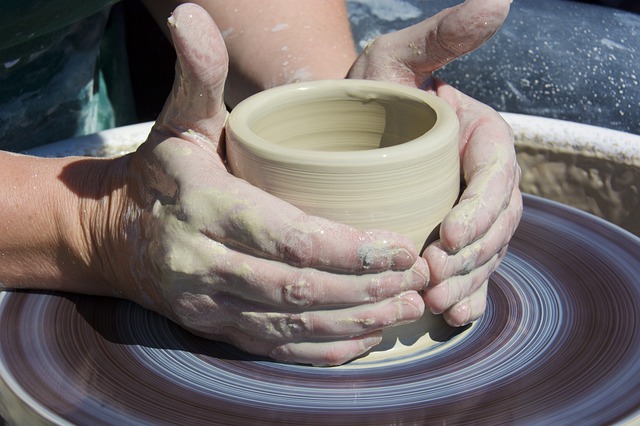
(280, 27)
(239, 215)
(379, 253)
(301, 74)
(179, 259)
(227, 32)
(194, 309)
(300, 293)
(243, 270)
(247, 224)
(277, 325)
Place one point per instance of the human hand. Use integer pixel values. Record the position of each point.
(230, 262)
(475, 234)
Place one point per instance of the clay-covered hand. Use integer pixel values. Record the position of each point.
(475, 234)
(230, 262)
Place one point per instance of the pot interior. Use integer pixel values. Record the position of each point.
(344, 123)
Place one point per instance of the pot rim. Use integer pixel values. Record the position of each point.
(444, 129)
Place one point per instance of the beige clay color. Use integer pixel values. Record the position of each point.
(373, 155)
(612, 155)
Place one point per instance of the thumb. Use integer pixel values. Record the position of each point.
(410, 55)
(196, 104)
(455, 32)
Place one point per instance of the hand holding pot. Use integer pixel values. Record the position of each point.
(474, 236)
(230, 262)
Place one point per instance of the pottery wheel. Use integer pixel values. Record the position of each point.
(559, 344)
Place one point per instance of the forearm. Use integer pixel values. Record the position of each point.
(48, 208)
(276, 42)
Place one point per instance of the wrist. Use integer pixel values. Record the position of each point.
(107, 223)
(49, 211)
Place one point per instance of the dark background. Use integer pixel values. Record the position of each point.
(151, 57)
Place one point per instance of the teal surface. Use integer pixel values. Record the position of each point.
(63, 71)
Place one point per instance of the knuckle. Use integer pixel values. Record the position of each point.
(469, 257)
(283, 353)
(377, 287)
(293, 326)
(200, 312)
(299, 289)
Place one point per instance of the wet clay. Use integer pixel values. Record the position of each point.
(369, 154)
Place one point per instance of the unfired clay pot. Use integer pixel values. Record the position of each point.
(370, 154)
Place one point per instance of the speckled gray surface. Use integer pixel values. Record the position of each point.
(552, 58)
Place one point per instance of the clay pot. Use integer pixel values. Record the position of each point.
(370, 154)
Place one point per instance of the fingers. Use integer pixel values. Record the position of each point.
(455, 32)
(456, 280)
(325, 354)
(329, 325)
(195, 109)
(236, 215)
(444, 264)
(314, 353)
(410, 55)
(285, 287)
(325, 337)
(443, 296)
(480, 206)
(468, 309)
(475, 234)
(490, 168)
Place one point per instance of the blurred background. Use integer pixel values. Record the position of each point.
(571, 60)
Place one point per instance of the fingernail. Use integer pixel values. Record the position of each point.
(461, 311)
(417, 278)
(459, 228)
(411, 305)
(438, 298)
(402, 258)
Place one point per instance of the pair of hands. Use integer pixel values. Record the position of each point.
(230, 262)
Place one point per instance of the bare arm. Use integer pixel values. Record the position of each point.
(169, 228)
(46, 231)
(276, 42)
